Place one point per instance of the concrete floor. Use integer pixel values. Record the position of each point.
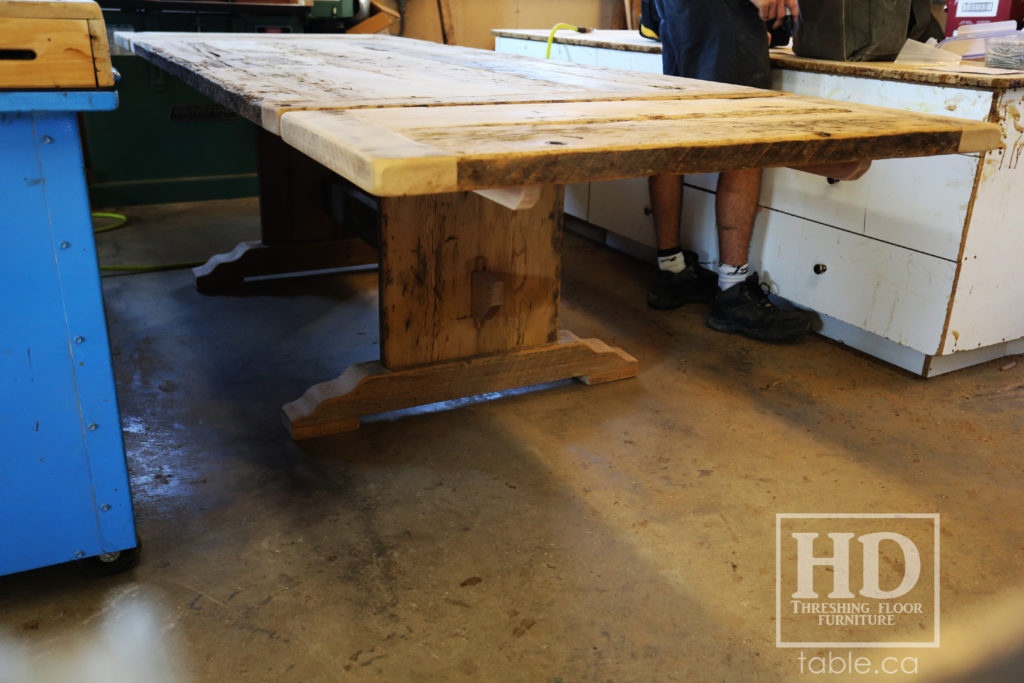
(619, 532)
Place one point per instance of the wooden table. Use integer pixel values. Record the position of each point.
(426, 137)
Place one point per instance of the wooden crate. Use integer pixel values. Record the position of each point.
(47, 44)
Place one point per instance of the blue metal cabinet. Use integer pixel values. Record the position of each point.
(63, 478)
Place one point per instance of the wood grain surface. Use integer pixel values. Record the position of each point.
(413, 150)
(49, 45)
(62, 52)
(366, 388)
(51, 9)
(263, 76)
(403, 117)
(430, 248)
(890, 71)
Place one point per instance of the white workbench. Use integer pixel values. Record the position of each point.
(919, 255)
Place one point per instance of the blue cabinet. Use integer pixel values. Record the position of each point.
(64, 491)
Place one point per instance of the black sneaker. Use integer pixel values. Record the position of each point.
(694, 283)
(744, 308)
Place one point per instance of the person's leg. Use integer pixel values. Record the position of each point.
(726, 42)
(735, 208)
(680, 278)
(666, 205)
(741, 305)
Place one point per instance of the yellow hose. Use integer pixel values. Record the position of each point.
(120, 220)
(551, 36)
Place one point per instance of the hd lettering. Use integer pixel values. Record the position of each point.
(858, 613)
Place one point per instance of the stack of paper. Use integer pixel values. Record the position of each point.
(969, 41)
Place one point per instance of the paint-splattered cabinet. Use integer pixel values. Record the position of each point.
(915, 263)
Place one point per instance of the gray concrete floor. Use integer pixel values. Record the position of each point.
(619, 532)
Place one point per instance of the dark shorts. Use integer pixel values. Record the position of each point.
(714, 40)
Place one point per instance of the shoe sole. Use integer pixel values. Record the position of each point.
(730, 327)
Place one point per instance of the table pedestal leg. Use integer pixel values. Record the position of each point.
(468, 305)
(299, 231)
(368, 388)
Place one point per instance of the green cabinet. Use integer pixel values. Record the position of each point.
(166, 142)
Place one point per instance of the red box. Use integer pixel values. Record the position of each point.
(966, 12)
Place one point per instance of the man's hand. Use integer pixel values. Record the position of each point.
(776, 10)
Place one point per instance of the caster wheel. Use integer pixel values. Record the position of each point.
(108, 564)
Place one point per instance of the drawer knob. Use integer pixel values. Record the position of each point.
(820, 268)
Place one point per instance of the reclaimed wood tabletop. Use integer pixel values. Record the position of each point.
(398, 116)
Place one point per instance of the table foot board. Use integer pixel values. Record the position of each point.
(227, 273)
(369, 388)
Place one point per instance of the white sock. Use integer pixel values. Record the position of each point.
(674, 263)
(731, 275)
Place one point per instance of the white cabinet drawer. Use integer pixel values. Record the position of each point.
(896, 201)
(893, 292)
(577, 200)
(623, 207)
(917, 203)
(896, 293)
